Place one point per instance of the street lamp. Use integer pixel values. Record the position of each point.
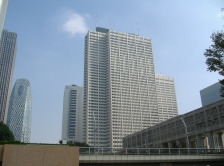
(185, 126)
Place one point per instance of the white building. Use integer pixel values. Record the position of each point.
(166, 97)
(72, 122)
(20, 110)
(119, 87)
(7, 61)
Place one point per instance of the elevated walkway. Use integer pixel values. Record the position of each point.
(152, 155)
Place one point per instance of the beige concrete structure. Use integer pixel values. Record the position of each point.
(39, 155)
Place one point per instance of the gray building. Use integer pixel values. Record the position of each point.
(211, 94)
(72, 122)
(201, 128)
(3, 8)
(119, 87)
(166, 97)
(20, 110)
(7, 60)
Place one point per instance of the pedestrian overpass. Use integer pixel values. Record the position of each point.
(150, 156)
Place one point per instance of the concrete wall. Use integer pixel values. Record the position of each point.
(1, 152)
(40, 155)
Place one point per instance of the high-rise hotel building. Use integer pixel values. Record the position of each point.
(20, 110)
(166, 97)
(7, 60)
(119, 87)
(72, 121)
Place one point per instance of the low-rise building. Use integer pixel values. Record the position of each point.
(200, 128)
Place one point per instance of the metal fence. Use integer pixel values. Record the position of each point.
(148, 151)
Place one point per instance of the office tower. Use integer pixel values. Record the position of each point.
(72, 122)
(7, 60)
(211, 94)
(119, 87)
(20, 110)
(3, 8)
(166, 97)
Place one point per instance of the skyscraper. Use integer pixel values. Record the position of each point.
(3, 8)
(7, 60)
(211, 94)
(72, 122)
(119, 87)
(20, 110)
(166, 97)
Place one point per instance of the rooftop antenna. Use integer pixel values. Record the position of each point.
(96, 21)
(138, 28)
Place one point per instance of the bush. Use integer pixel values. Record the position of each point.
(5, 133)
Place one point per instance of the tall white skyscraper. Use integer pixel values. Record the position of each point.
(166, 97)
(72, 122)
(119, 87)
(3, 8)
(20, 110)
(7, 61)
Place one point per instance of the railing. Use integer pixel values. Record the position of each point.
(148, 151)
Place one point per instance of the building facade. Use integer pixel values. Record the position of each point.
(119, 87)
(3, 8)
(72, 122)
(7, 61)
(211, 94)
(20, 110)
(201, 128)
(166, 97)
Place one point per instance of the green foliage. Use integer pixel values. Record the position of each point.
(215, 56)
(5, 133)
(215, 53)
(11, 142)
(79, 144)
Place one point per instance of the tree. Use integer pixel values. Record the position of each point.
(80, 144)
(5, 133)
(215, 56)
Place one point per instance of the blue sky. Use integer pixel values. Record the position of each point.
(50, 47)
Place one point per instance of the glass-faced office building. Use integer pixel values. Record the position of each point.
(119, 87)
(20, 110)
(211, 94)
(72, 121)
(7, 61)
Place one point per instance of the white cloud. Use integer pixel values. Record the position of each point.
(74, 24)
(221, 14)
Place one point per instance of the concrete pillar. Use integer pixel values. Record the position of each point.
(178, 143)
(169, 144)
(211, 140)
(206, 142)
(188, 142)
(220, 140)
(199, 141)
